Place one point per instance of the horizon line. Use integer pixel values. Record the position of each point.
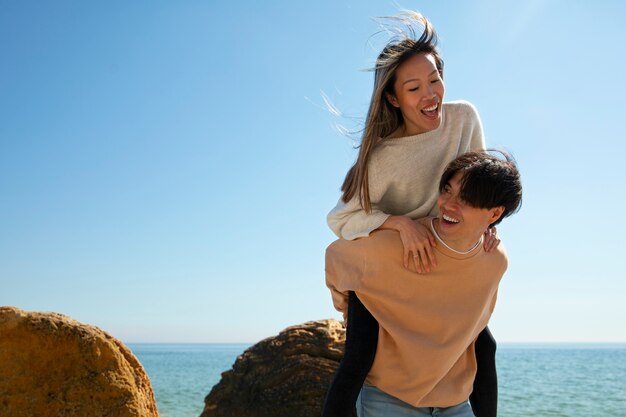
(499, 343)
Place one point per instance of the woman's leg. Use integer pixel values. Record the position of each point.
(360, 350)
(484, 397)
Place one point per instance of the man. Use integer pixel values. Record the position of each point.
(425, 357)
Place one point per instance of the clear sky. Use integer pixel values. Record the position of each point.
(166, 167)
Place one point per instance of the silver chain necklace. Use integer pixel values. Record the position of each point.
(432, 226)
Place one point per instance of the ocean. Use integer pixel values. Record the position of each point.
(556, 380)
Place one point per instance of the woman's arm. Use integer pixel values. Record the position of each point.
(350, 221)
(417, 242)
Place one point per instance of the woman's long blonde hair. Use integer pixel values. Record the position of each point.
(382, 118)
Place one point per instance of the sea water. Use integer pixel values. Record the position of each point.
(183, 374)
(562, 380)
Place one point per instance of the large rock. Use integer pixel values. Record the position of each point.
(282, 376)
(52, 365)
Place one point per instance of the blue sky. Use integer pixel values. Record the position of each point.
(166, 167)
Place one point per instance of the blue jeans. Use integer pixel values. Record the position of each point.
(373, 402)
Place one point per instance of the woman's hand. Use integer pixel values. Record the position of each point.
(417, 242)
(491, 240)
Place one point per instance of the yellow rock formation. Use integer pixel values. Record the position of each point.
(53, 366)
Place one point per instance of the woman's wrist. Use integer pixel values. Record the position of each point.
(397, 223)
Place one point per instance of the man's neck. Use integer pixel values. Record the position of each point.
(457, 243)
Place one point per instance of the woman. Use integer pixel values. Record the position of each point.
(409, 137)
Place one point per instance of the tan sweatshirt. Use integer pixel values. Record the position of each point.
(428, 322)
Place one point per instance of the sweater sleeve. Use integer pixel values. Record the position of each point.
(350, 221)
(477, 139)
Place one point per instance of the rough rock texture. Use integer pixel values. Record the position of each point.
(282, 376)
(54, 366)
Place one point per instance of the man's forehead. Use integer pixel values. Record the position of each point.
(456, 178)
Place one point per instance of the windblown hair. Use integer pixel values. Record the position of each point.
(383, 118)
(488, 181)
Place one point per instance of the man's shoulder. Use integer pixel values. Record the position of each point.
(498, 258)
(425, 221)
(379, 241)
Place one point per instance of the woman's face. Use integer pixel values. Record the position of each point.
(418, 93)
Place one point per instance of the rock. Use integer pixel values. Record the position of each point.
(54, 366)
(282, 376)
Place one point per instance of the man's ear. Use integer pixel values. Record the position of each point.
(392, 99)
(496, 213)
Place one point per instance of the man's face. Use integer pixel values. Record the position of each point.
(458, 221)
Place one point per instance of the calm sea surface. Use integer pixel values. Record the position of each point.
(535, 380)
(182, 375)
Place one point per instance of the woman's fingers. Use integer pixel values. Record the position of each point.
(427, 256)
(431, 255)
(431, 238)
(494, 244)
(491, 239)
(416, 262)
(422, 261)
(423, 258)
(405, 257)
(417, 243)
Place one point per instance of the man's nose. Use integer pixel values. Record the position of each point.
(450, 202)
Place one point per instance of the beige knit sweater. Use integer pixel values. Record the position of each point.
(404, 172)
(428, 323)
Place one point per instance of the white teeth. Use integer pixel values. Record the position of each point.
(431, 108)
(450, 219)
